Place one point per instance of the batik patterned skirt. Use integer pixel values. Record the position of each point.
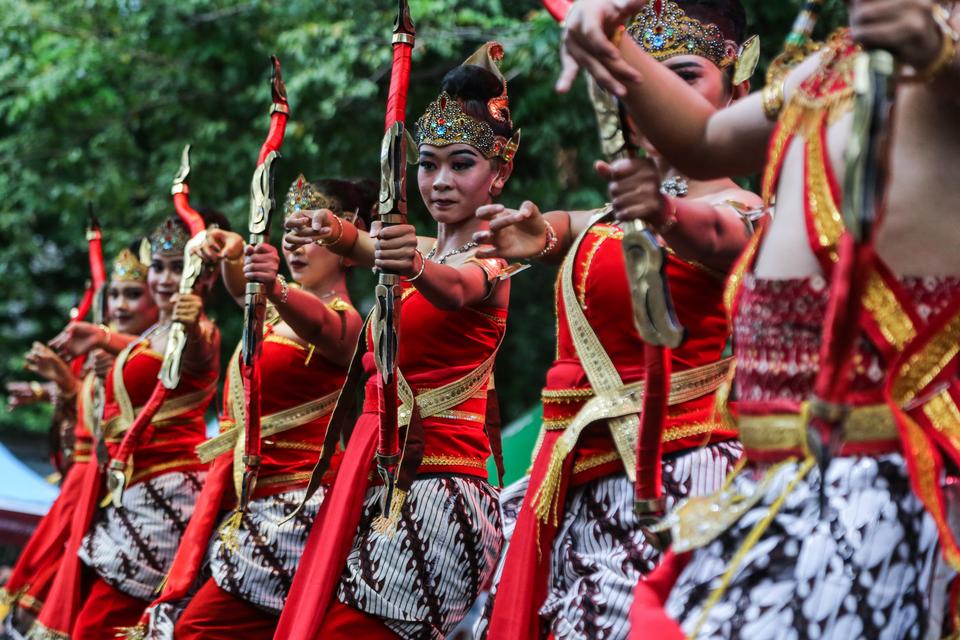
(261, 569)
(131, 548)
(422, 577)
(867, 567)
(600, 552)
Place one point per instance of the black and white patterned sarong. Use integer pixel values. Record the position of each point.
(131, 548)
(868, 567)
(261, 570)
(600, 553)
(423, 579)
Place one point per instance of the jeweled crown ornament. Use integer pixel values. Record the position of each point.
(127, 268)
(664, 31)
(303, 195)
(169, 238)
(445, 122)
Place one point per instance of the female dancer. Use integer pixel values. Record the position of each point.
(413, 571)
(310, 332)
(848, 390)
(579, 547)
(131, 310)
(129, 548)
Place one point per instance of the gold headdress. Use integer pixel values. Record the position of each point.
(128, 268)
(445, 122)
(304, 195)
(664, 30)
(169, 238)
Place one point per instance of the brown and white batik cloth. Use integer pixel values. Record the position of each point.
(869, 566)
(600, 553)
(422, 578)
(131, 548)
(261, 569)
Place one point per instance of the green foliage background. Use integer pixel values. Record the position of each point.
(98, 97)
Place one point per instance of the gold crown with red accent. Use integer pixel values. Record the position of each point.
(303, 195)
(444, 122)
(664, 31)
(128, 268)
(170, 237)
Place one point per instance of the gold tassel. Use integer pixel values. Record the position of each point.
(6, 601)
(138, 632)
(387, 526)
(546, 500)
(230, 531)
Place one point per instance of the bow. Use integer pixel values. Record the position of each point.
(169, 376)
(392, 211)
(653, 312)
(98, 305)
(262, 204)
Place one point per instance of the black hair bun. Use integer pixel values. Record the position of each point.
(471, 82)
(212, 217)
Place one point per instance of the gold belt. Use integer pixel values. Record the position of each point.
(684, 386)
(775, 432)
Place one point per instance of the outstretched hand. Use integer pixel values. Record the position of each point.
(219, 244)
(76, 339)
(587, 42)
(513, 234)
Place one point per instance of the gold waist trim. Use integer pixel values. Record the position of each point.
(270, 425)
(872, 423)
(453, 461)
(169, 410)
(170, 466)
(299, 477)
(684, 385)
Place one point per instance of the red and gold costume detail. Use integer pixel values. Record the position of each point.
(29, 583)
(32, 577)
(253, 560)
(417, 570)
(901, 416)
(588, 443)
(130, 548)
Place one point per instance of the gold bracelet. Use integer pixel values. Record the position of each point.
(106, 334)
(36, 389)
(284, 288)
(948, 48)
(423, 266)
(326, 242)
(551, 243)
(772, 96)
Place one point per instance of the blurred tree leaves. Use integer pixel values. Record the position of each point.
(97, 98)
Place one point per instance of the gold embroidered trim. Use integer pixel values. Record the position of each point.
(293, 445)
(164, 466)
(601, 234)
(278, 339)
(168, 412)
(284, 478)
(453, 461)
(27, 601)
(687, 430)
(776, 432)
(827, 219)
(925, 365)
(883, 306)
(466, 416)
(684, 386)
(594, 461)
(556, 424)
(944, 415)
(489, 316)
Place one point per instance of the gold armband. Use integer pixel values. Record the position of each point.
(948, 48)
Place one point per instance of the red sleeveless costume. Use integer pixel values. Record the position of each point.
(425, 595)
(167, 448)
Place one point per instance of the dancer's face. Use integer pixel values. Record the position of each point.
(163, 279)
(131, 309)
(456, 179)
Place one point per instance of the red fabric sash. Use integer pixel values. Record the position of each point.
(45, 548)
(526, 569)
(331, 538)
(64, 602)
